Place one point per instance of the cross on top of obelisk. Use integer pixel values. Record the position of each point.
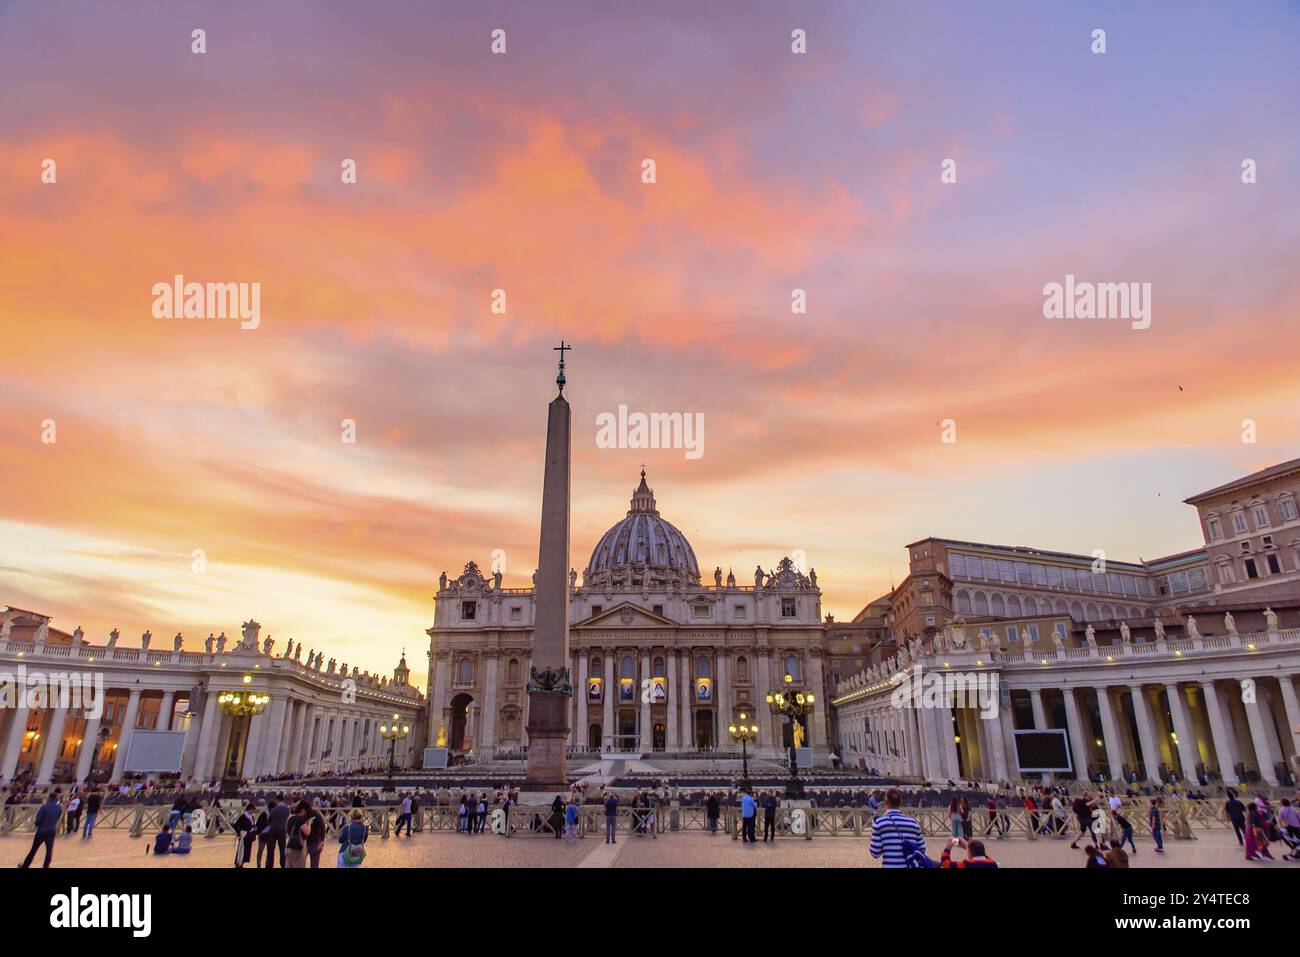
(561, 349)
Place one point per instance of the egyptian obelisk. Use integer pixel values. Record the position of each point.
(549, 690)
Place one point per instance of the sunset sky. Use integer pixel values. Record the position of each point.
(775, 171)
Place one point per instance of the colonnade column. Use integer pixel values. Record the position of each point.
(1078, 740)
(489, 707)
(1184, 731)
(53, 742)
(1265, 753)
(124, 739)
(1225, 748)
(580, 692)
(645, 734)
(89, 740)
(1146, 733)
(1110, 735)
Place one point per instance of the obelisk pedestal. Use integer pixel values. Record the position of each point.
(549, 688)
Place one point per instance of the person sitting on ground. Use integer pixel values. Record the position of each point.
(975, 856)
(162, 843)
(184, 840)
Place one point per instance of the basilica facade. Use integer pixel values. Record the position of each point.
(660, 661)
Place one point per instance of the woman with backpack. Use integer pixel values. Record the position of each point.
(352, 840)
(315, 833)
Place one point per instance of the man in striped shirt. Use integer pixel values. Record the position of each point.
(892, 829)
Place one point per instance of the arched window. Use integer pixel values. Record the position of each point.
(1091, 613)
(981, 603)
(1107, 612)
(512, 670)
(999, 606)
(1076, 611)
(1013, 606)
(1061, 609)
(792, 666)
(1031, 607)
(742, 669)
(963, 602)
(657, 668)
(465, 671)
(597, 667)
(703, 668)
(627, 668)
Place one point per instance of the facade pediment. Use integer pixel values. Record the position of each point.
(625, 615)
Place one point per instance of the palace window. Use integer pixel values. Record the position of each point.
(516, 613)
(1274, 566)
(596, 610)
(1215, 529)
(1239, 522)
(792, 666)
(1251, 570)
(468, 610)
(1013, 633)
(963, 602)
(958, 566)
(981, 604)
(1261, 516)
(701, 611)
(465, 671)
(1286, 508)
(657, 609)
(788, 609)
(999, 606)
(1031, 606)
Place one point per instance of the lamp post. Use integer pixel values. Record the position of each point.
(744, 733)
(392, 732)
(238, 704)
(794, 704)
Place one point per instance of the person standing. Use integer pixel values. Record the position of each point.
(571, 820)
(463, 815)
(1156, 820)
(482, 816)
(1235, 812)
(404, 817)
(611, 818)
(748, 816)
(47, 826)
(296, 842)
(315, 833)
(769, 817)
(891, 830)
(73, 812)
(94, 800)
(711, 811)
(245, 832)
(1083, 813)
(277, 831)
(956, 821)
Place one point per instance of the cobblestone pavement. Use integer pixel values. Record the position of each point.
(116, 848)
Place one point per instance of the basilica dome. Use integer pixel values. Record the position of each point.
(642, 544)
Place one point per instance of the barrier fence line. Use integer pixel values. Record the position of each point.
(1181, 820)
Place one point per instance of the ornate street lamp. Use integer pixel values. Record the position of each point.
(794, 704)
(392, 732)
(744, 733)
(239, 704)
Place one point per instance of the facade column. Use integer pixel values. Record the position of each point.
(1225, 749)
(488, 724)
(609, 686)
(645, 734)
(128, 731)
(1078, 740)
(1265, 752)
(723, 697)
(164, 721)
(89, 741)
(1110, 735)
(439, 682)
(760, 699)
(305, 754)
(821, 707)
(686, 700)
(580, 692)
(53, 742)
(944, 715)
(674, 691)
